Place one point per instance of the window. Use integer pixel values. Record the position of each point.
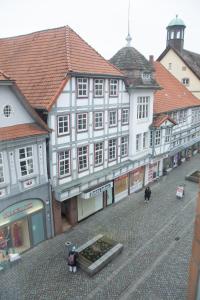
(98, 120)
(145, 140)
(7, 111)
(112, 118)
(112, 149)
(138, 142)
(82, 87)
(146, 75)
(172, 35)
(143, 107)
(167, 135)
(124, 146)
(178, 35)
(186, 81)
(157, 137)
(169, 66)
(125, 116)
(82, 122)
(113, 87)
(151, 139)
(98, 87)
(1, 168)
(63, 125)
(64, 163)
(98, 154)
(83, 158)
(184, 68)
(26, 160)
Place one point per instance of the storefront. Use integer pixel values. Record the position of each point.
(136, 179)
(94, 200)
(153, 171)
(167, 164)
(120, 188)
(22, 226)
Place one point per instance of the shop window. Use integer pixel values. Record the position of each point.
(1, 168)
(98, 87)
(26, 160)
(63, 125)
(121, 184)
(82, 87)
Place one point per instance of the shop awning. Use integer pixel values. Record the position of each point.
(94, 191)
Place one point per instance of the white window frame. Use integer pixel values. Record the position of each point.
(143, 107)
(124, 146)
(64, 163)
(112, 149)
(82, 122)
(138, 142)
(112, 118)
(145, 140)
(167, 134)
(63, 124)
(98, 154)
(157, 137)
(98, 120)
(82, 154)
(2, 178)
(113, 87)
(98, 88)
(125, 116)
(82, 87)
(27, 159)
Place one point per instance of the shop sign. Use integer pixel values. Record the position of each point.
(97, 191)
(19, 210)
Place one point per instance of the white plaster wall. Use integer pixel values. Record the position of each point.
(19, 114)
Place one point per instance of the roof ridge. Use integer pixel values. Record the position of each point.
(67, 47)
(96, 52)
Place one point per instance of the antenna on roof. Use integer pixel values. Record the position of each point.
(129, 38)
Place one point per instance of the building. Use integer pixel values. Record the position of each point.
(183, 64)
(175, 131)
(25, 198)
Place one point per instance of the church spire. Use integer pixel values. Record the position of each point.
(128, 38)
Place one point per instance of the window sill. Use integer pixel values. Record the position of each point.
(27, 177)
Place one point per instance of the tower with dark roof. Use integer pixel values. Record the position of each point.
(175, 34)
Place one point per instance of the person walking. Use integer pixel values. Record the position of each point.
(147, 194)
(72, 257)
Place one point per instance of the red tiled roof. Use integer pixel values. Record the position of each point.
(174, 94)
(157, 121)
(39, 62)
(20, 131)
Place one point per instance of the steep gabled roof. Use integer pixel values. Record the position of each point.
(174, 95)
(40, 62)
(160, 119)
(191, 59)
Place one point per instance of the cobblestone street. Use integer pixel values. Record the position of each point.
(153, 265)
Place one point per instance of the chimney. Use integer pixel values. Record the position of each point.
(151, 59)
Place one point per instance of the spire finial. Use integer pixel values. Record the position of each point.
(129, 38)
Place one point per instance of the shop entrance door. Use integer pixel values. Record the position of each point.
(37, 225)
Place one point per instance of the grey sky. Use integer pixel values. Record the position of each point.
(103, 24)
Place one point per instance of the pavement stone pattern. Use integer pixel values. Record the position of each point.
(157, 239)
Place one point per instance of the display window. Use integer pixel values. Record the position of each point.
(136, 179)
(121, 184)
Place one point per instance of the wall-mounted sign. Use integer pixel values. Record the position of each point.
(19, 210)
(97, 191)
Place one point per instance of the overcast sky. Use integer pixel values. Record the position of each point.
(103, 23)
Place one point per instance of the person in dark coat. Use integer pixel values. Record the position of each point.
(72, 260)
(147, 194)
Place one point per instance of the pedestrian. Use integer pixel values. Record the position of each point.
(72, 260)
(147, 194)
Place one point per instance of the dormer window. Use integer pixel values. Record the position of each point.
(146, 75)
(186, 81)
(7, 111)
